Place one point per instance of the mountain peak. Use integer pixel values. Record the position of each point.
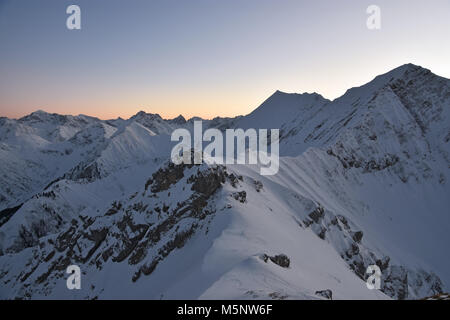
(178, 120)
(304, 94)
(37, 115)
(40, 111)
(142, 114)
(404, 70)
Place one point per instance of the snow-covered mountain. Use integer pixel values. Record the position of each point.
(363, 180)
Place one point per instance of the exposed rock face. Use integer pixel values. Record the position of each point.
(281, 259)
(327, 294)
(441, 296)
(208, 182)
(258, 185)
(396, 280)
(240, 196)
(138, 233)
(165, 177)
(7, 213)
(89, 172)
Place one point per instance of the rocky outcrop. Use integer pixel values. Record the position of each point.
(281, 259)
(397, 281)
(136, 233)
(327, 294)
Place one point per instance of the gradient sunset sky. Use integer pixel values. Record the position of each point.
(205, 57)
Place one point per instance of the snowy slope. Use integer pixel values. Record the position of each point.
(37, 148)
(190, 234)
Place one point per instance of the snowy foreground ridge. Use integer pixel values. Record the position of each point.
(363, 180)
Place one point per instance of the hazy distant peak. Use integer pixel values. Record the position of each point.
(36, 114)
(304, 94)
(142, 114)
(178, 120)
(195, 119)
(40, 112)
(41, 115)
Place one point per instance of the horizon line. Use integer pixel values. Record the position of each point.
(168, 118)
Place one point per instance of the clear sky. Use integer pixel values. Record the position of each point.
(205, 57)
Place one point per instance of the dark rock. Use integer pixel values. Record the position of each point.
(165, 177)
(207, 182)
(327, 294)
(83, 171)
(282, 260)
(383, 263)
(6, 214)
(258, 185)
(317, 214)
(396, 283)
(240, 196)
(357, 236)
(116, 206)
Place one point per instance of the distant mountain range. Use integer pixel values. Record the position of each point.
(363, 180)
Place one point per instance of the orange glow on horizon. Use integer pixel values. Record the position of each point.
(168, 109)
